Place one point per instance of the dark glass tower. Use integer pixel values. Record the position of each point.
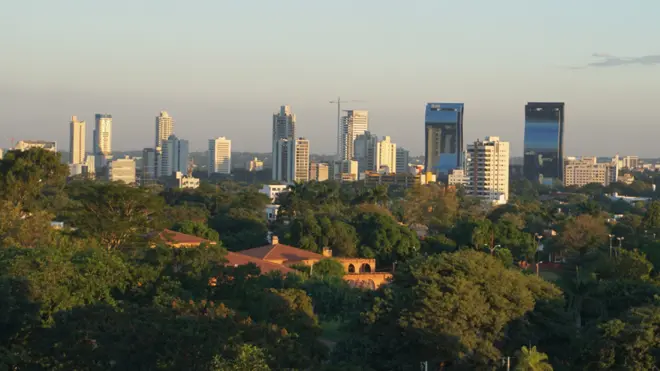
(544, 142)
(443, 126)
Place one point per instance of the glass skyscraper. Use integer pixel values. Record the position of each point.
(544, 142)
(444, 137)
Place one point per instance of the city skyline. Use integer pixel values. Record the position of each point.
(599, 66)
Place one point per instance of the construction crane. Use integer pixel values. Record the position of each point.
(338, 102)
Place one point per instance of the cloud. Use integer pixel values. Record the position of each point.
(608, 60)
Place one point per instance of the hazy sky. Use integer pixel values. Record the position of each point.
(221, 68)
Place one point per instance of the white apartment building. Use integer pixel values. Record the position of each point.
(630, 162)
(272, 191)
(587, 170)
(24, 145)
(385, 155)
(122, 170)
(457, 177)
(102, 143)
(355, 122)
(164, 128)
(219, 156)
(77, 137)
(487, 170)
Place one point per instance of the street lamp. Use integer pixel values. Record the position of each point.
(611, 239)
(538, 239)
(620, 244)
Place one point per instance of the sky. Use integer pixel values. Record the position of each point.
(221, 68)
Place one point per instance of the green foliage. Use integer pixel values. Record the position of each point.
(328, 268)
(530, 359)
(381, 237)
(24, 229)
(651, 220)
(582, 236)
(198, 229)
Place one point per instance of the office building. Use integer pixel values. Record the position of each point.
(544, 142)
(174, 156)
(487, 170)
(164, 128)
(587, 170)
(291, 160)
(219, 156)
(149, 166)
(77, 141)
(254, 165)
(457, 177)
(345, 170)
(364, 151)
(402, 160)
(443, 128)
(102, 143)
(90, 164)
(356, 122)
(319, 171)
(24, 145)
(122, 170)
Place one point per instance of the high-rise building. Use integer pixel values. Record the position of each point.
(102, 139)
(544, 142)
(219, 156)
(319, 171)
(90, 164)
(24, 145)
(77, 141)
(364, 151)
(122, 170)
(149, 166)
(291, 160)
(443, 127)
(385, 155)
(630, 162)
(174, 156)
(587, 170)
(355, 123)
(487, 170)
(402, 160)
(164, 128)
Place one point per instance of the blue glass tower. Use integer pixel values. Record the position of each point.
(443, 126)
(544, 142)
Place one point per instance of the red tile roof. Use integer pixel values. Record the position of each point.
(265, 266)
(280, 252)
(171, 237)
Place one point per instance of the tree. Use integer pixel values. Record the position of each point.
(651, 220)
(197, 229)
(430, 205)
(24, 229)
(114, 213)
(381, 237)
(452, 308)
(27, 177)
(583, 235)
(328, 268)
(529, 359)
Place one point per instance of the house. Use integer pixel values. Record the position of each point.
(236, 259)
(283, 254)
(178, 240)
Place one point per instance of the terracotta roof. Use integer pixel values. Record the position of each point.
(265, 266)
(171, 237)
(281, 252)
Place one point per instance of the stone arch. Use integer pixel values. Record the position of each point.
(351, 268)
(365, 268)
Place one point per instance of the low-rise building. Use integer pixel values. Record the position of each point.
(627, 179)
(271, 212)
(319, 171)
(345, 170)
(273, 190)
(586, 170)
(457, 177)
(407, 180)
(122, 170)
(180, 180)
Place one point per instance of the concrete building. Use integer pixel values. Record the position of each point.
(626, 179)
(271, 212)
(174, 156)
(284, 130)
(102, 142)
(272, 191)
(122, 170)
(24, 145)
(77, 131)
(355, 122)
(457, 177)
(90, 163)
(254, 165)
(364, 151)
(487, 170)
(164, 128)
(1, 153)
(219, 156)
(319, 171)
(385, 155)
(291, 160)
(402, 160)
(76, 169)
(345, 170)
(586, 170)
(181, 180)
(406, 180)
(631, 162)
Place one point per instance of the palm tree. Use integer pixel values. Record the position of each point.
(529, 359)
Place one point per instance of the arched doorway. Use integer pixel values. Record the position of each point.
(351, 268)
(365, 268)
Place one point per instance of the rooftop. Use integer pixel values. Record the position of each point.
(281, 252)
(176, 238)
(234, 258)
